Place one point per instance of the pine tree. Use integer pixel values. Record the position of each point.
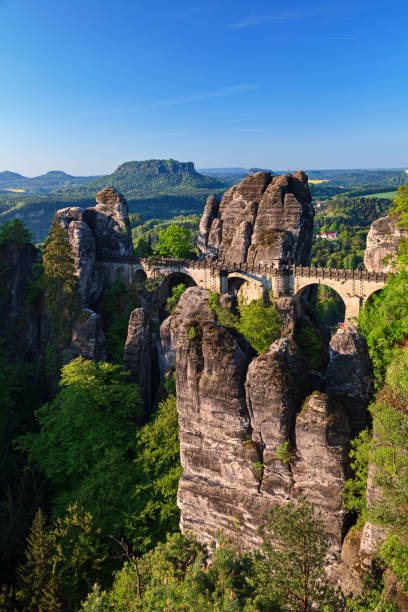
(38, 589)
(61, 283)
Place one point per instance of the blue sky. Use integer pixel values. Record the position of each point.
(88, 84)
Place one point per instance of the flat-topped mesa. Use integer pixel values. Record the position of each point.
(264, 220)
(109, 222)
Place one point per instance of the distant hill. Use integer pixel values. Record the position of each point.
(55, 179)
(154, 175)
(154, 189)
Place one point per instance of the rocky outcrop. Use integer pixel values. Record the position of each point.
(321, 464)
(20, 311)
(109, 222)
(241, 445)
(264, 219)
(88, 338)
(382, 244)
(219, 485)
(349, 376)
(83, 247)
(193, 304)
(137, 353)
(103, 230)
(273, 385)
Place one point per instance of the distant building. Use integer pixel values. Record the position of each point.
(329, 235)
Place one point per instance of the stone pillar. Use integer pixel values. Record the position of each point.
(353, 305)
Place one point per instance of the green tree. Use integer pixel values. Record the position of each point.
(157, 472)
(260, 323)
(86, 440)
(175, 241)
(384, 323)
(78, 555)
(61, 283)
(296, 554)
(38, 588)
(176, 294)
(15, 232)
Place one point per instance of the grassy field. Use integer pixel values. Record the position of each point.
(388, 195)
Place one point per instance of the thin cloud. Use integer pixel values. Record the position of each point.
(235, 90)
(287, 15)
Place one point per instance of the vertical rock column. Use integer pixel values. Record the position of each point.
(137, 353)
(219, 485)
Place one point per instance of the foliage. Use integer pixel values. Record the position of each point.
(296, 555)
(116, 305)
(156, 471)
(60, 562)
(15, 232)
(37, 582)
(176, 294)
(400, 205)
(87, 438)
(61, 283)
(175, 241)
(284, 452)
(384, 323)
(96, 600)
(356, 487)
(312, 348)
(260, 323)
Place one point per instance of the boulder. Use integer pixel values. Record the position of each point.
(382, 242)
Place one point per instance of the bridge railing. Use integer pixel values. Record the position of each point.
(261, 269)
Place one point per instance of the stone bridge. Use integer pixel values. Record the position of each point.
(353, 286)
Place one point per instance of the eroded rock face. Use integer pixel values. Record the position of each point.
(272, 389)
(88, 338)
(382, 241)
(137, 353)
(264, 219)
(235, 416)
(349, 376)
(193, 304)
(20, 322)
(103, 230)
(219, 481)
(321, 465)
(109, 222)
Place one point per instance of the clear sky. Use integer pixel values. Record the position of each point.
(88, 84)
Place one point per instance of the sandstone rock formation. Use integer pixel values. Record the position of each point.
(235, 416)
(83, 249)
(20, 322)
(264, 219)
(137, 353)
(88, 338)
(321, 465)
(193, 304)
(109, 222)
(349, 376)
(382, 242)
(273, 389)
(103, 230)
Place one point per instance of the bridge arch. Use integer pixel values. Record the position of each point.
(245, 286)
(168, 283)
(323, 303)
